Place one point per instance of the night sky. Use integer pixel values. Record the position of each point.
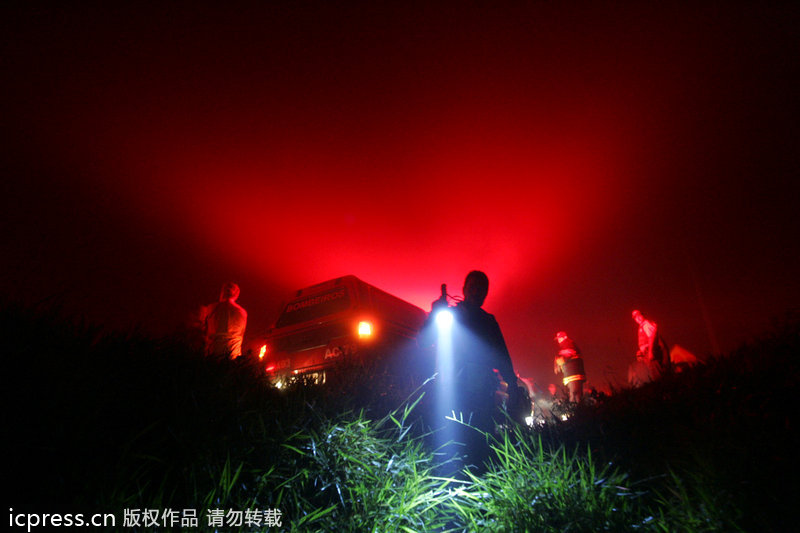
(590, 158)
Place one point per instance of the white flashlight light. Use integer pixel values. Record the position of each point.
(444, 319)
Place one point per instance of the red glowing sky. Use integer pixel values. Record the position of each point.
(590, 160)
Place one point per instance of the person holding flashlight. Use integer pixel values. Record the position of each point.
(479, 347)
(469, 347)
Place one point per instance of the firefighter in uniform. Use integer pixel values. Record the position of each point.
(569, 363)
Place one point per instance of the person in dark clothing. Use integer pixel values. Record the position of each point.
(480, 348)
(467, 379)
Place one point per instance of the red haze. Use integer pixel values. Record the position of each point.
(583, 157)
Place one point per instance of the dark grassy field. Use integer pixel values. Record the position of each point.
(102, 422)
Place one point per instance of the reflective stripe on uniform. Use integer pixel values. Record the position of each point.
(576, 377)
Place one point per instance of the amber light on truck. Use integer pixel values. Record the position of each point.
(364, 329)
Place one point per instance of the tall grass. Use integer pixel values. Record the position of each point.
(530, 488)
(716, 441)
(362, 475)
(105, 421)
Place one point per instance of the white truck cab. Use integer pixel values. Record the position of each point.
(340, 319)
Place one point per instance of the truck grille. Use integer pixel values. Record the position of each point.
(319, 336)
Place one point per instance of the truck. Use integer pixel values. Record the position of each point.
(340, 320)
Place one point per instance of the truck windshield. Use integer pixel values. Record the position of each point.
(314, 307)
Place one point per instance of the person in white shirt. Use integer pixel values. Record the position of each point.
(225, 322)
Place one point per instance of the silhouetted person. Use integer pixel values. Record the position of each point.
(569, 363)
(468, 383)
(547, 399)
(554, 393)
(225, 322)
